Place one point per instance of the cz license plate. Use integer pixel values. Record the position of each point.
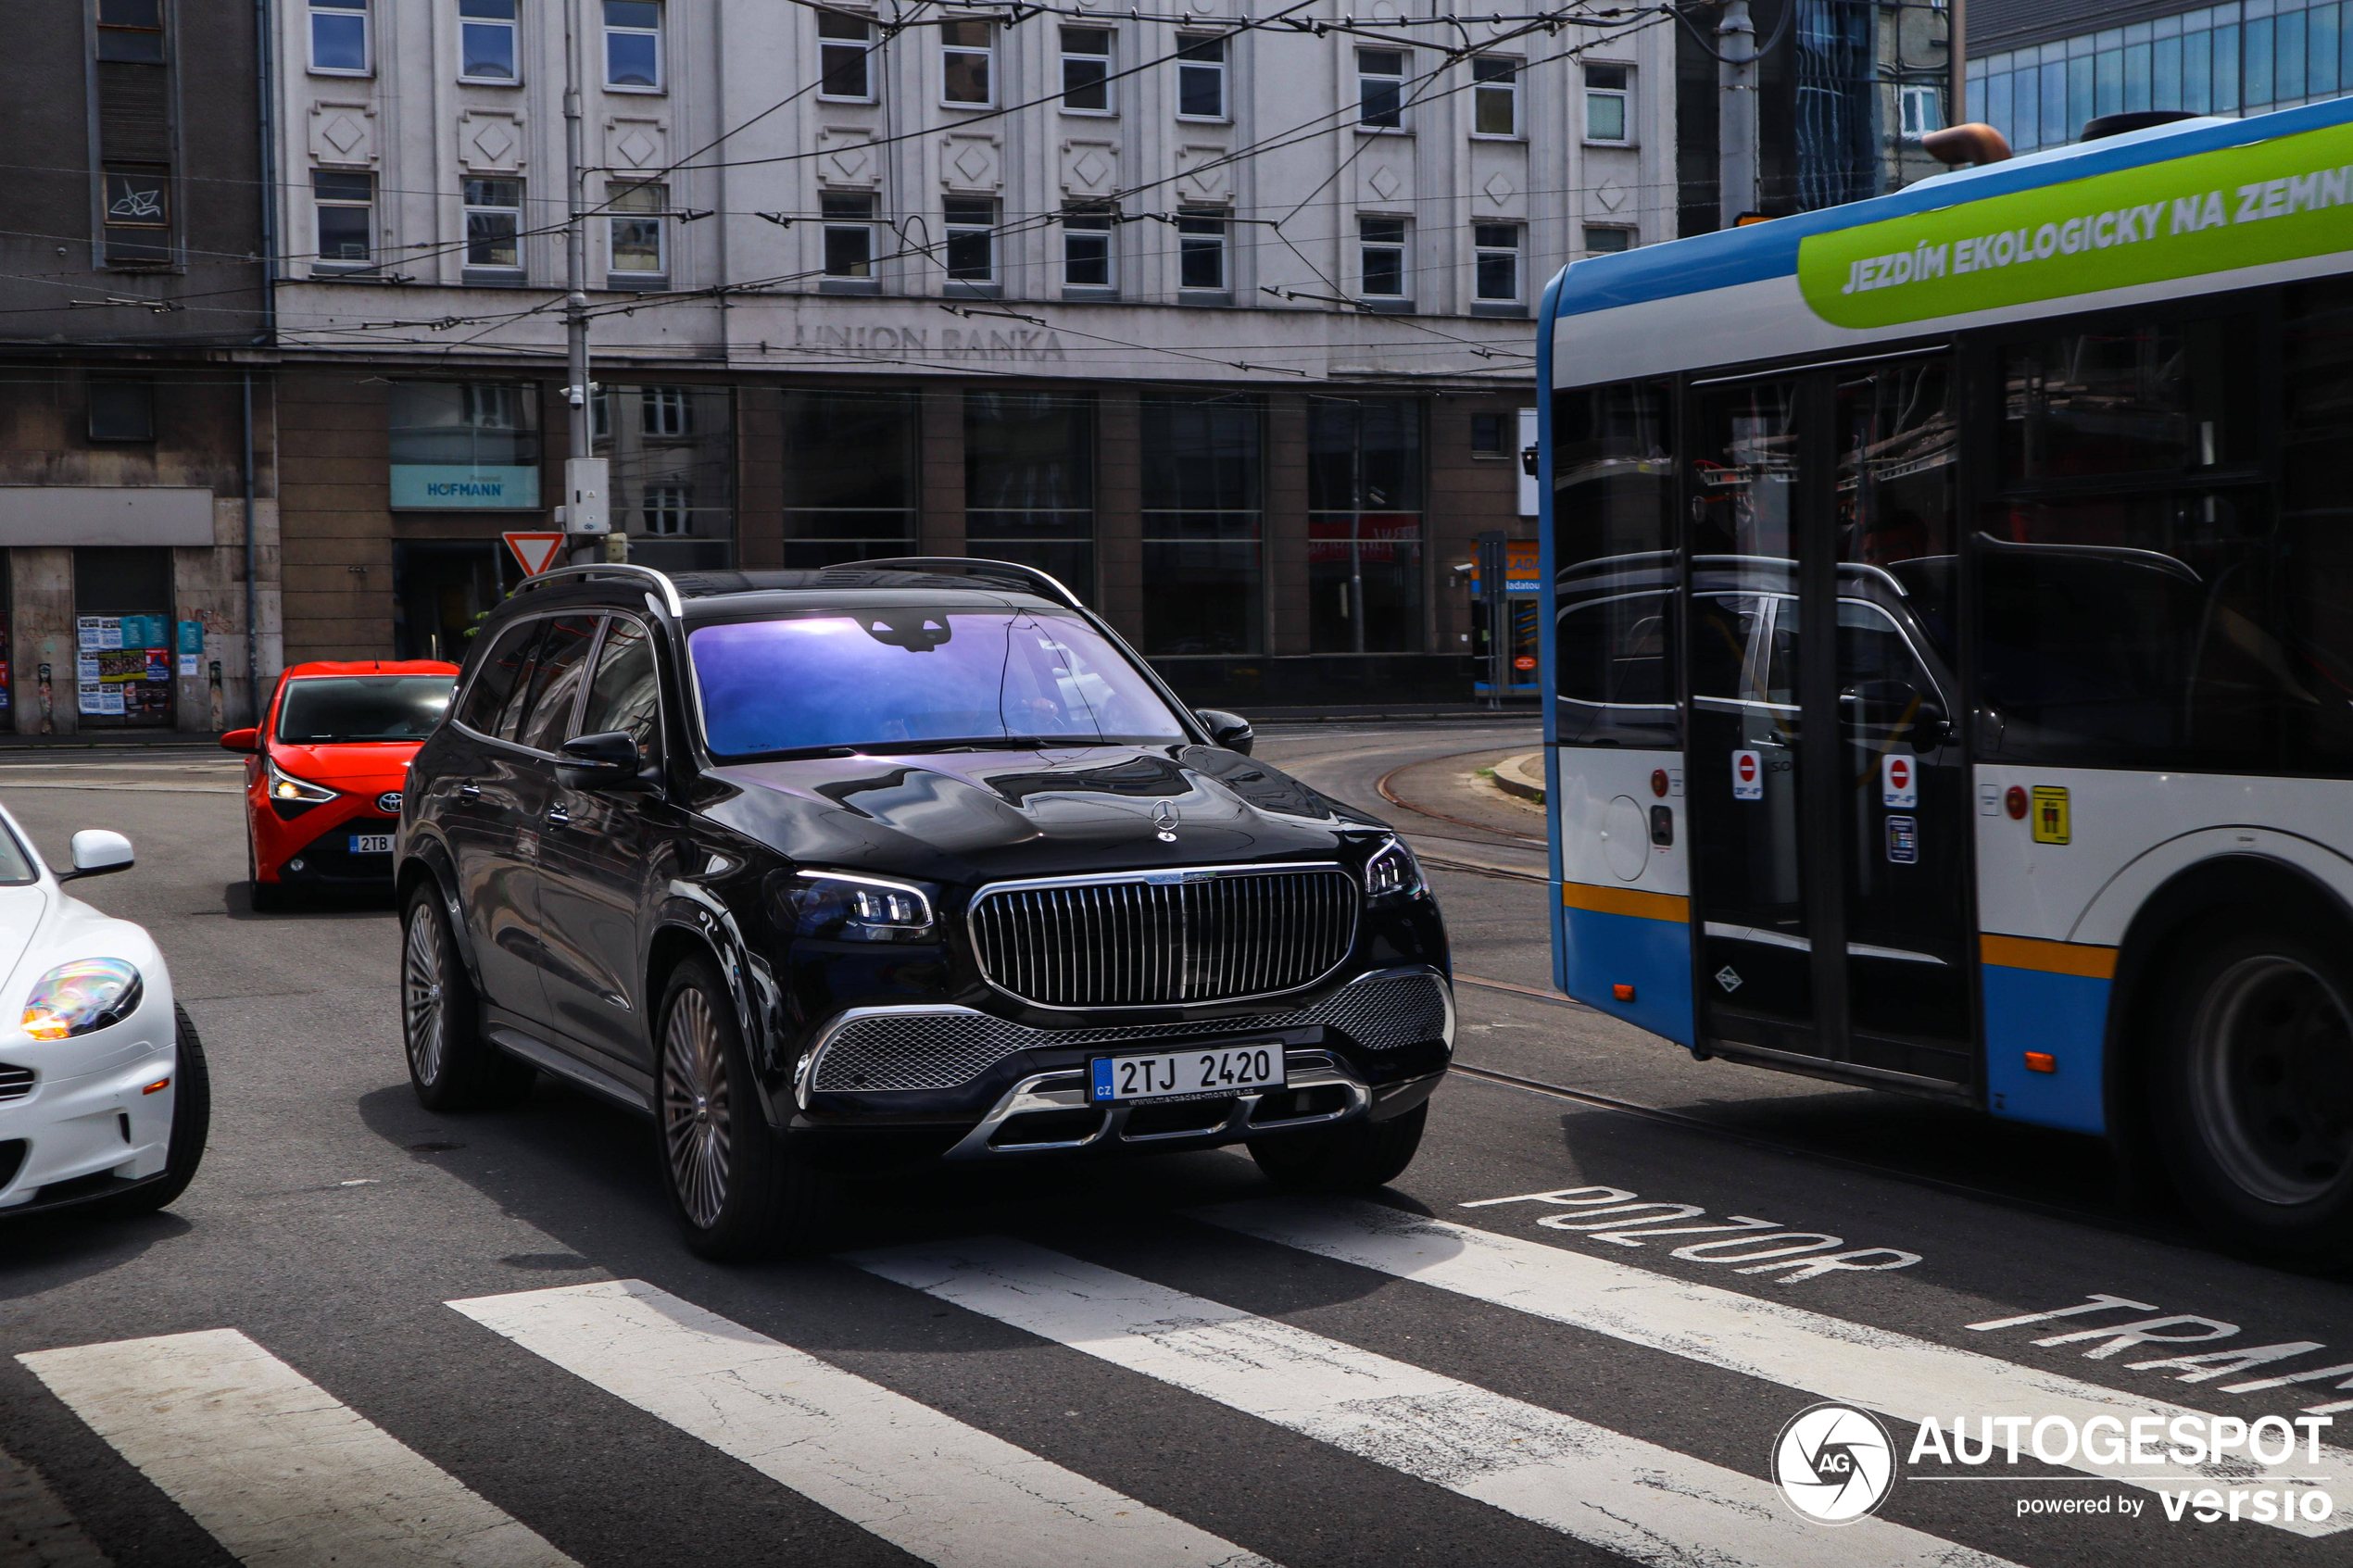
(1195, 1074)
(371, 844)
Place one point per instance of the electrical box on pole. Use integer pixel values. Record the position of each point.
(587, 508)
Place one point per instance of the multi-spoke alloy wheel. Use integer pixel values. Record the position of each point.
(451, 1065)
(695, 1109)
(421, 984)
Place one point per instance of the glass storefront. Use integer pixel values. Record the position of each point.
(849, 475)
(1364, 525)
(1203, 556)
(465, 445)
(672, 450)
(1029, 482)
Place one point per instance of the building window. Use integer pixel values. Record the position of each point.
(1487, 435)
(1494, 95)
(130, 30)
(1201, 248)
(1604, 240)
(1087, 70)
(1923, 110)
(1201, 76)
(1495, 259)
(339, 37)
(633, 46)
(672, 450)
(845, 45)
(1608, 112)
(138, 231)
(1204, 550)
(494, 224)
(1381, 257)
(1380, 89)
(636, 231)
(487, 40)
(123, 410)
(1364, 526)
(849, 232)
(850, 467)
(971, 226)
(967, 53)
(1087, 231)
(1029, 482)
(345, 201)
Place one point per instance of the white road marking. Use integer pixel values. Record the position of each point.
(1829, 1357)
(1619, 1493)
(924, 1482)
(272, 1466)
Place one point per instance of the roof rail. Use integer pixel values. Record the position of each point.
(607, 569)
(1029, 578)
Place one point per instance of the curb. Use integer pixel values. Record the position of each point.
(1522, 775)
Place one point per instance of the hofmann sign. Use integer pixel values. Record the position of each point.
(472, 485)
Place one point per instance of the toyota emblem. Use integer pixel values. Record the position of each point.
(389, 803)
(1164, 821)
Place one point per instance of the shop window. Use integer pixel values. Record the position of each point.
(130, 30)
(1609, 94)
(345, 202)
(970, 223)
(633, 46)
(673, 452)
(1029, 482)
(1202, 524)
(138, 231)
(123, 410)
(493, 225)
(636, 233)
(487, 40)
(845, 58)
(967, 57)
(1201, 76)
(123, 634)
(339, 37)
(849, 463)
(1364, 525)
(1494, 95)
(1200, 249)
(1087, 70)
(1380, 89)
(1087, 231)
(470, 445)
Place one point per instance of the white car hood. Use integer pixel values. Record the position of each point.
(22, 909)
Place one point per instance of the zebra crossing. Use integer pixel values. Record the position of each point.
(280, 1472)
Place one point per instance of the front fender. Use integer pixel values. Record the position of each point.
(694, 919)
(426, 855)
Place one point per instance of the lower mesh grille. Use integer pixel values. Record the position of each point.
(939, 1050)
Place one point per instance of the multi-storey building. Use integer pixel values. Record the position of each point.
(137, 509)
(1222, 315)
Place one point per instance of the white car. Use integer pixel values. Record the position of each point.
(103, 1097)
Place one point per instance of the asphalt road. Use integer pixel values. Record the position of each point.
(1154, 1364)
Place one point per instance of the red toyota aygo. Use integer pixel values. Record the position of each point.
(324, 769)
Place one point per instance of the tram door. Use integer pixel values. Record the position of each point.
(1825, 776)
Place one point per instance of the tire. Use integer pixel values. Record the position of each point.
(2252, 1095)
(738, 1189)
(1348, 1157)
(452, 1066)
(191, 1122)
(265, 898)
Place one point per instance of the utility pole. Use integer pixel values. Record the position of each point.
(1956, 55)
(1736, 120)
(585, 487)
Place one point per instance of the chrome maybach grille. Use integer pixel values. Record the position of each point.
(1165, 939)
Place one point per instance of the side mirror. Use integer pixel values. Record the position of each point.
(1228, 730)
(98, 852)
(607, 760)
(247, 739)
(1931, 726)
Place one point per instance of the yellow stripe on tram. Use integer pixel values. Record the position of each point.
(2051, 958)
(1626, 901)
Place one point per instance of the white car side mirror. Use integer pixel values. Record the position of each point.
(97, 851)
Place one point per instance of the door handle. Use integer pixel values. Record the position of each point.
(470, 790)
(558, 815)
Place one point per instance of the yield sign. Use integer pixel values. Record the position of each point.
(536, 551)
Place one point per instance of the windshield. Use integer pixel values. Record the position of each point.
(361, 707)
(872, 679)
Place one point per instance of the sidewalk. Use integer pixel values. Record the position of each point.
(117, 743)
(1509, 712)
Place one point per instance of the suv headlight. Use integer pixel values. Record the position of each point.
(858, 909)
(77, 998)
(285, 786)
(1392, 872)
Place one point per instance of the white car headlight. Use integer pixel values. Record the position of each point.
(77, 998)
(1392, 872)
(285, 786)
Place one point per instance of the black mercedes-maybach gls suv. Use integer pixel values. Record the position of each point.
(905, 861)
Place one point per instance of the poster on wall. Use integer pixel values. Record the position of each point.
(123, 666)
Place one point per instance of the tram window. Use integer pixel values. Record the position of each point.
(2316, 529)
(1744, 471)
(2140, 398)
(1614, 653)
(1611, 651)
(1898, 446)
